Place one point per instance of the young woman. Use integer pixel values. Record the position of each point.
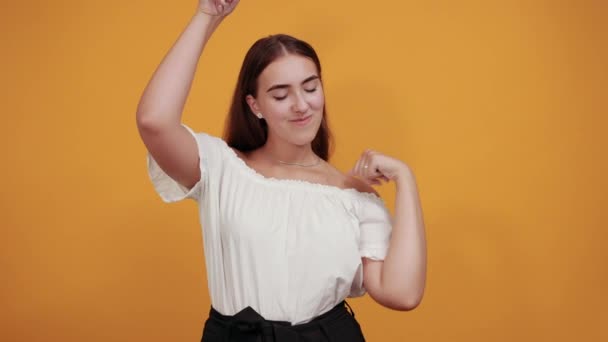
(287, 237)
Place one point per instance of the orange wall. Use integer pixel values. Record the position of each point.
(498, 106)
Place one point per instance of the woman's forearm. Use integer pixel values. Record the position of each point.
(404, 269)
(165, 95)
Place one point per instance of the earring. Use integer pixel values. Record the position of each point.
(259, 115)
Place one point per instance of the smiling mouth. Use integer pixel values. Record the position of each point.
(302, 119)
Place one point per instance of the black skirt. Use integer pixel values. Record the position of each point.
(336, 325)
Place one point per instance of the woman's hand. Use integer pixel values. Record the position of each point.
(218, 8)
(374, 166)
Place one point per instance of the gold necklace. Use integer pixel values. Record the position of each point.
(296, 164)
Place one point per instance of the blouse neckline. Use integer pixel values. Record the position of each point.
(296, 183)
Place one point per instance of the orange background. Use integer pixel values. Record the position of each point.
(499, 107)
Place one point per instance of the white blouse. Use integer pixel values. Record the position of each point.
(290, 249)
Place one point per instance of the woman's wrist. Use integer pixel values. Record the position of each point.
(212, 18)
(213, 21)
(405, 177)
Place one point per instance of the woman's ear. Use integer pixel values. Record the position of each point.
(253, 104)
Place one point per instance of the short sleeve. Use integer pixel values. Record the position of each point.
(375, 225)
(209, 151)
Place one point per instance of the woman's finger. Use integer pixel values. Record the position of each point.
(370, 161)
(364, 164)
(353, 171)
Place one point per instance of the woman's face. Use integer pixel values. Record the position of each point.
(289, 90)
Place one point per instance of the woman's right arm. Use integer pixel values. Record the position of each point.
(160, 108)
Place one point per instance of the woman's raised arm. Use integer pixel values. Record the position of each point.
(160, 108)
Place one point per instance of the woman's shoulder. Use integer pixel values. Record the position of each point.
(350, 182)
(359, 185)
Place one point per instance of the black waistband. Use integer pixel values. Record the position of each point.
(250, 322)
(249, 315)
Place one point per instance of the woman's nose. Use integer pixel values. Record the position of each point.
(300, 105)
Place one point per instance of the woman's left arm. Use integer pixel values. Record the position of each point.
(399, 280)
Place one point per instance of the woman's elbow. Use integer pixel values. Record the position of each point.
(404, 302)
(407, 304)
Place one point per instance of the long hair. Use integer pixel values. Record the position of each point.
(243, 130)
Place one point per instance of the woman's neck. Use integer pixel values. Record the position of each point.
(283, 152)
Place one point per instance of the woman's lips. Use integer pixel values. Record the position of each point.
(301, 122)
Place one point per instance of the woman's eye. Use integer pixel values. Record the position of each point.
(279, 98)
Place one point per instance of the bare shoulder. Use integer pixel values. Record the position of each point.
(360, 185)
(351, 182)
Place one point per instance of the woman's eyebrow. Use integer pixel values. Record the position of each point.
(280, 86)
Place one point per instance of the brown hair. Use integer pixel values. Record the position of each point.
(243, 130)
